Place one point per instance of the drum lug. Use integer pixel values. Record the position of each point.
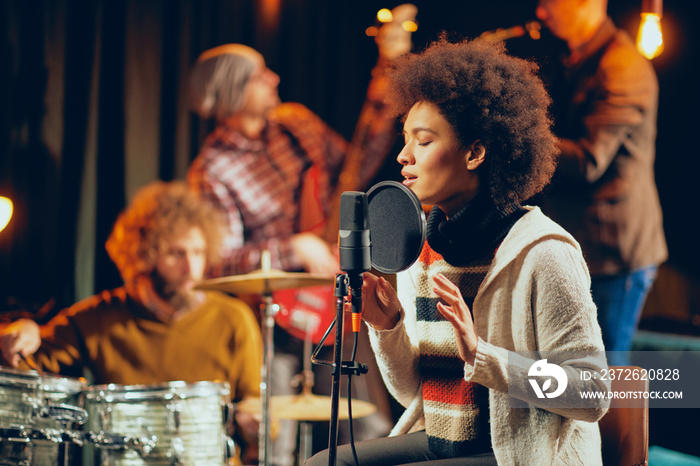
(227, 413)
(178, 450)
(229, 447)
(144, 443)
(105, 416)
(175, 412)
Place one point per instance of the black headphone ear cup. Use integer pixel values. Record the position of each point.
(397, 226)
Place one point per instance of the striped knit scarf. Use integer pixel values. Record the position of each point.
(456, 411)
(461, 248)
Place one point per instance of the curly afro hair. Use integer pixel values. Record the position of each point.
(488, 95)
(157, 212)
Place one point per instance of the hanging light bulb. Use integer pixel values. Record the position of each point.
(649, 38)
(5, 211)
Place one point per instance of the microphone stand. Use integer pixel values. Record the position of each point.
(354, 257)
(340, 367)
(341, 291)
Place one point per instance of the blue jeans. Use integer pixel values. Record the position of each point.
(620, 299)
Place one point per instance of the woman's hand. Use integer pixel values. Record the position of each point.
(380, 304)
(21, 336)
(458, 314)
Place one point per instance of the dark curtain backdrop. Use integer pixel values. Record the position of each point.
(94, 106)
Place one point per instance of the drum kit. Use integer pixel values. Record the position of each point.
(47, 419)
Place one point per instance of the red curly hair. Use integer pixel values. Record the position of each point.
(159, 211)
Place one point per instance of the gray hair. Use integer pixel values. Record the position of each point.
(217, 81)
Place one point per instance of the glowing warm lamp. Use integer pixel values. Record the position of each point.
(409, 26)
(384, 15)
(650, 41)
(5, 211)
(372, 31)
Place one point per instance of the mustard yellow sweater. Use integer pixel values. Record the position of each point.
(119, 341)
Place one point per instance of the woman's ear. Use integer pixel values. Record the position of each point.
(476, 153)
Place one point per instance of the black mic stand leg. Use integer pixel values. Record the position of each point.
(341, 291)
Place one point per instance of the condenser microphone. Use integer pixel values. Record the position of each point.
(353, 236)
(354, 247)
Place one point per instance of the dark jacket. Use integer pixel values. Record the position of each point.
(604, 192)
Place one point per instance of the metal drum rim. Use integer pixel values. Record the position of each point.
(32, 379)
(146, 392)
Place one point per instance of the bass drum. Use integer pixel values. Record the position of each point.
(36, 411)
(186, 420)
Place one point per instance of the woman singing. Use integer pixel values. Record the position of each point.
(498, 287)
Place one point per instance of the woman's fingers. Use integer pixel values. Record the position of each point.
(448, 289)
(448, 314)
(448, 292)
(456, 311)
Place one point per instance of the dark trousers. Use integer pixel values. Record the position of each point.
(393, 451)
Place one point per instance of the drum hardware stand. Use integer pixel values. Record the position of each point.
(338, 366)
(269, 309)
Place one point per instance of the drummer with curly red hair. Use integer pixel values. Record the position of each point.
(157, 327)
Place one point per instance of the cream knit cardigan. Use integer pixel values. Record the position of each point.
(534, 299)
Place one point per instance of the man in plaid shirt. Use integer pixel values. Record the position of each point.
(254, 163)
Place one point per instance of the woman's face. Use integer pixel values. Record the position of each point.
(436, 166)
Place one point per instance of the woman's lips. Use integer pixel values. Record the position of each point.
(409, 179)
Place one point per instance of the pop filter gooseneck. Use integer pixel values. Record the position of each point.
(397, 226)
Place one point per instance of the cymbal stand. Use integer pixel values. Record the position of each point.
(268, 327)
(264, 445)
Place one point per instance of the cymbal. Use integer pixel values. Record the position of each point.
(307, 407)
(264, 281)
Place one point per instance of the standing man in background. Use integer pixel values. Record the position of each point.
(605, 98)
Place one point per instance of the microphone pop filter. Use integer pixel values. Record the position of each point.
(397, 226)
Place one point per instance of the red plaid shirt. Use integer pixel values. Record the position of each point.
(258, 182)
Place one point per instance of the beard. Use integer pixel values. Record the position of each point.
(178, 297)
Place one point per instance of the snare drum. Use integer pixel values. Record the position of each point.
(188, 421)
(35, 413)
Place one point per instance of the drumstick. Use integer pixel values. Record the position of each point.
(30, 363)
